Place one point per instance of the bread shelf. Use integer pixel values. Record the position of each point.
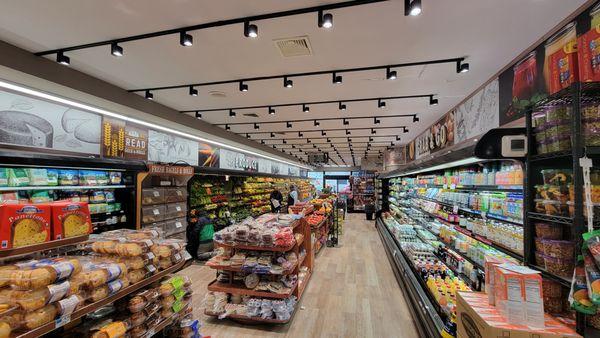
(59, 322)
(256, 247)
(240, 290)
(250, 319)
(25, 250)
(66, 187)
(239, 269)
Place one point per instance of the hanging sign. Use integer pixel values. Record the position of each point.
(177, 170)
(124, 140)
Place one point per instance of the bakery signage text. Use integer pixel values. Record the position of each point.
(170, 170)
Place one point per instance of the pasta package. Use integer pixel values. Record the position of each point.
(70, 219)
(24, 224)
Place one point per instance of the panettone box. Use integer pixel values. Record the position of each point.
(70, 219)
(24, 224)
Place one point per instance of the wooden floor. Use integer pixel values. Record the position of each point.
(352, 293)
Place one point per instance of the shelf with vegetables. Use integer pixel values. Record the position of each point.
(267, 259)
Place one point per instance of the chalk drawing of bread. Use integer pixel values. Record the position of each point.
(86, 127)
(26, 129)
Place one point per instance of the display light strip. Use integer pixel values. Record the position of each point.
(54, 98)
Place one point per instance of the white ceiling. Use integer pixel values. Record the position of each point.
(489, 33)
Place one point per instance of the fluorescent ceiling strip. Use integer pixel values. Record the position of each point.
(468, 160)
(54, 98)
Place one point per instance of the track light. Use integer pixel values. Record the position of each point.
(149, 95)
(293, 146)
(262, 141)
(193, 91)
(300, 134)
(307, 140)
(116, 50)
(405, 130)
(186, 39)
(199, 115)
(231, 113)
(462, 67)
(348, 132)
(243, 87)
(376, 120)
(341, 106)
(325, 20)
(272, 135)
(323, 133)
(63, 59)
(250, 31)
(390, 74)
(271, 111)
(284, 142)
(247, 135)
(328, 140)
(336, 79)
(346, 122)
(412, 7)
(397, 138)
(415, 119)
(288, 124)
(370, 139)
(305, 108)
(287, 83)
(317, 123)
(373, 131)
(380, 103)
(227, 127)
(256, 126)
(432, 101)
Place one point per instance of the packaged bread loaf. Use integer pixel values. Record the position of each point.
(112, 330)
(39, 273)
(24, 224)
(165, 248)
(123, 247)
(30, 300)
(40, 317)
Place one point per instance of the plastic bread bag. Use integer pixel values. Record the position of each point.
(592, 275)
(30, 300)
(96, 274)
(36, 274)
(142, 299)
(113, 330)
(578, 296)
(172, 283)
(165, 248)
(121, 247)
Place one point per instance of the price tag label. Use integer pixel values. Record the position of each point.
(178, 224)
(179, 193)
(156, 193)
(155, 212)
(151, 268)
(187, 256)
(150, 255)
(455, 209)
(62, 321)
(178, 208)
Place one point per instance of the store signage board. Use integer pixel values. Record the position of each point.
(478, 114)
(436, 137)
(264, 166)
(208, 155)
(47, 127)
(167, 148)
(174, 170)
(124, 140)
(237, 161)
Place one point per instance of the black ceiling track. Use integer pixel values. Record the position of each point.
(187, 29)
(325, 130)
(348, 118)
(314, 103)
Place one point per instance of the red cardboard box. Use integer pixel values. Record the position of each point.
(24, 224)
(588, 51)
(563, 68)
(70, 219)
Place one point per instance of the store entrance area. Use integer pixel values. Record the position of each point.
(352, 293)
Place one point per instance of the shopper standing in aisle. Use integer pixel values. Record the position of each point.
(292, 196)
(276, 200)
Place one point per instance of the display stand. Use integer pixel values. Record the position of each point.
(307, 260)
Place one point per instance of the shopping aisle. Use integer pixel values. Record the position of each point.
(352, 293)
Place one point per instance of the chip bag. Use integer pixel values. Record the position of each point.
(592, 274)
(578, 296)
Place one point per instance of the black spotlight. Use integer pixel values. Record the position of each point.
(405, 130)
(243, 87)
(336, 79)
(256, 126)
(380, 103)
(288, 124)
(397, 138)
(390, 74)
(317, 123)
(287, 83)
(231, 113)
(348, 132)
(186, 39)
(250, 31)
(199, 115)
(415, 119)
(370, 139)
(271, 111)
(305, 108)
(63, 59)
(149, 95)
(116, 50)
(325, 20)
(323, 133)
(346, 122)
(193, 91)
(227, 127)
(341, 106)
(412, 7)
(462, 67)
(432, 101)
(272, 135)
(376, 120)
(373, 131)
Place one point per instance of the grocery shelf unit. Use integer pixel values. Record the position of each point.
(363, 191)
(307, 260)
(162, 199)
(572, 97)
(102, 220)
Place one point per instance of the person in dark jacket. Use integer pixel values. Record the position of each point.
(196, 247)
(276, 199)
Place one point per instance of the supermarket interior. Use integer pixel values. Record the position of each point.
(308, 168)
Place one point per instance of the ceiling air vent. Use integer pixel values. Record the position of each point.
(297, 46)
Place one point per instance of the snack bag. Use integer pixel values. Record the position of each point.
(592, 242)
(592, 274)
(578, 296)
(17, 177)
